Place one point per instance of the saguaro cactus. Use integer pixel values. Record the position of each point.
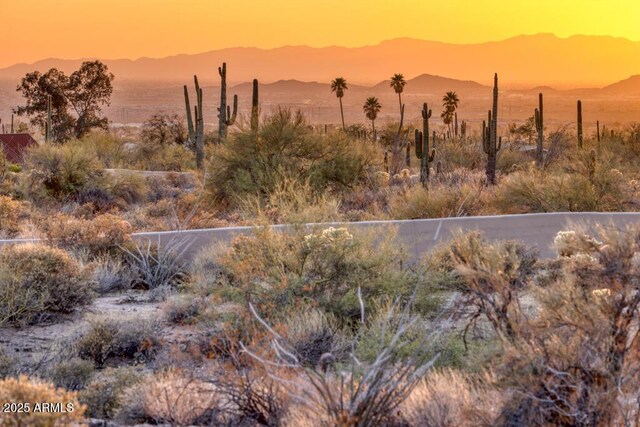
(226, 118)
(455, 120)
(463, 130)
(539, 119)
(255, 111)
(490, 143)
(408, 154)
(598, 130)
(196, 127)
(580, 140)
(422, 145)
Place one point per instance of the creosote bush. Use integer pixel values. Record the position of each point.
(62, 170)
(286, 148)
(37, 281)
(32, 392)
(279, 269)
(109, 338)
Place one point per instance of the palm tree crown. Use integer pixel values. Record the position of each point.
(398, 83)
(371, 108)
(339, 85)
(450, 101)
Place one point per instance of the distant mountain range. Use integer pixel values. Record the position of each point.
(523, 61)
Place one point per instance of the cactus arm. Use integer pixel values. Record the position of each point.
(189, 116)
(231, 118)
(418, 141)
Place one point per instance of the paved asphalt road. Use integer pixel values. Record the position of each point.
(418, 236)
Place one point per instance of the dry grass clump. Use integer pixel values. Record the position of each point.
(37, 281)
(11, 212)
(437, 201)
(534, 191)
(173, 397)
(25, 391)
(118, 340)
(104, 395)
(291, 202)
(105, 234)
(61, 170)
(452, 398)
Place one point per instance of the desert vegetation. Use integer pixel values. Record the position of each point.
(311, 324)
(328, 326)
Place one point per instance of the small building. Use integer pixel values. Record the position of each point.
(14, 145)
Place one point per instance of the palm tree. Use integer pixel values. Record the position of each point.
(398, 83)
(339, 85)
(450, 103)
(371, 109)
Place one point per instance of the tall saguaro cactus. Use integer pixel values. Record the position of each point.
(255, 108)
(490, 143)
(422, 145)
(196, 127)
(580, 139)
(455, 118)
(539, 121)
(226, 118)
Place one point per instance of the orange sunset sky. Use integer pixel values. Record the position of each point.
(37, 29)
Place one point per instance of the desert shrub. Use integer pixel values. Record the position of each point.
(172, 157)
(533, 191)
(452, 398)
(104, 394)
(10, 212)
(62, 170)
(158, 266)
(325, 268)
(110, 149)
(380, 328)
(255, 397)
(454, 155)
(183, 309)
(73, 374)
(511, 266)
(511, 158)
(172, 397)
(7, 364)
(312, 334)
(437, 201)
(356, 393)
(111, 274)
(291, 202)
(109, 338)
(285, 147)
(126, 188)
(38, 280)
(23, 390)
(104, 234)
(561, 364)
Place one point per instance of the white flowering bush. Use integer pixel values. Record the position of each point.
(568, 243)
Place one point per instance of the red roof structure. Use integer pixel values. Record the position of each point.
(14, 145)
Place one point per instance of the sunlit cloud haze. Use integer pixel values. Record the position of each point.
(37, 29)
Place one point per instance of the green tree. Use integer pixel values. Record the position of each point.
(450, 102)
(526, 130)
(339, 85)
(76, 100)
(398, 83)
(371, 109)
